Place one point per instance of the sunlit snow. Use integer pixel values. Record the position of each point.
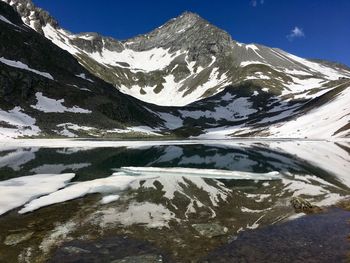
(48, 105)
(20, 65)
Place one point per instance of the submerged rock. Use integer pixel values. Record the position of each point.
(149, 258)
(117, 249)
(300, 203)
(317, 238)
(75, 250)
(210, 230)
(344, 204)
(304, 206)
(17, 238)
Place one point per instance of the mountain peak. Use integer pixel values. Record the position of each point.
(189, 15)
(31, 15)
(187, 19)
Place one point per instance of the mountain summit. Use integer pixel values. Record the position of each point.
(185, 60)
(31, 15)
(186, 32)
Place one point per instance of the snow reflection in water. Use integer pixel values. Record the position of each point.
(238, 185)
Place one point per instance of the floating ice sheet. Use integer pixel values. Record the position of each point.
(105, 186)
(18, 191)
(204, 173)
(43, 190)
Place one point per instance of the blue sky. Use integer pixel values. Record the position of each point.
(308, 28)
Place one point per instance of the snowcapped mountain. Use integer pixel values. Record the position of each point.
(185, 60)
(246, 112)
(201, 82)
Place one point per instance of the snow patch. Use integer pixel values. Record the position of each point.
(319, 123)
(149, 60)
(48, 105)
(4, 19)
(246, 63)
(83, 76)
(172, 93)
(24, 124)
(239, 108)
(328, 72)
(109, 199)
(60, 38)
(20, 65)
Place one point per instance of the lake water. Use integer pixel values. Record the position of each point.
(98, 201)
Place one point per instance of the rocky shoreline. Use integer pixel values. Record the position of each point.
(315, 237)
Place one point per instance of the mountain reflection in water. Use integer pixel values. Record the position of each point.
(98, 196)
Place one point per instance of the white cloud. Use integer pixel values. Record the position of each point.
(296, 32)
(255, 3)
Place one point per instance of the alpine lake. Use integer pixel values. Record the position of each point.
(174, 201)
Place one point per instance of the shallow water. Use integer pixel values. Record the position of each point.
(56, 195)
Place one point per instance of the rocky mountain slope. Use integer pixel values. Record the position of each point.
(183, 61)
(203, 83)
(46, 92)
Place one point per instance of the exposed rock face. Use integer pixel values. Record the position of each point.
(34, 68)
(31, 15)
(210, 230)
(96, 43)
(14, 239)
(187, 32)
(185, 60)
(302, 205)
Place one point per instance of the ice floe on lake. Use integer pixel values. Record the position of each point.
(204, 173)
(18, 191)
(119, 181)
(42, 190)
(107, 186)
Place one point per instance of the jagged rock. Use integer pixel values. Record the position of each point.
(17, 238)
(30, 13)
(302, 205)
(24, 68)
(210, 229)
(344, 204)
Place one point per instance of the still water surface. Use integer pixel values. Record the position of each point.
(87, 198)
